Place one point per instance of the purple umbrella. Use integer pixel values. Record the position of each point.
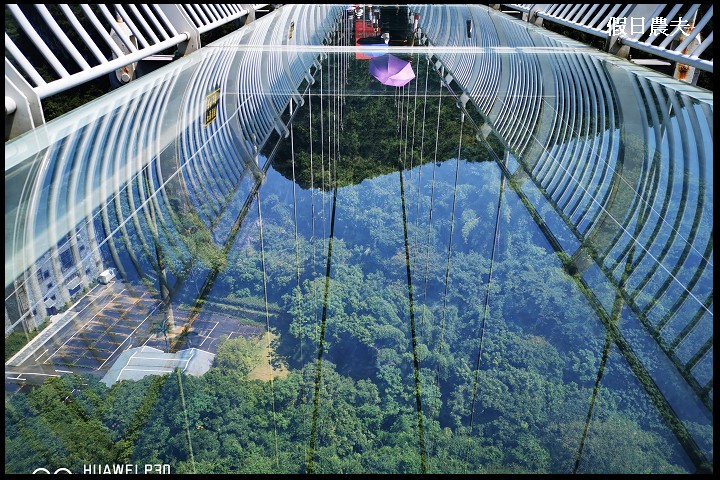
(390, 70)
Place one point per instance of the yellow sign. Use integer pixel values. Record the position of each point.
(211, 106)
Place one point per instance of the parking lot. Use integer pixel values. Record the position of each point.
(207, 330)
(105, 322)
(111, 319)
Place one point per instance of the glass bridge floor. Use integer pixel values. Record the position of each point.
(261, 259)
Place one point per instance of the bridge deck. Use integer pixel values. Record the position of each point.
(512, 146)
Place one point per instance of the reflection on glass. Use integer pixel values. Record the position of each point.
(504, 266)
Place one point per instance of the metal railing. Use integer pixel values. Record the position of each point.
(672, 32)
(140, 145)
(53, 48)
(634, 214)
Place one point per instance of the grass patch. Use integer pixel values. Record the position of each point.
(263, 370)
(17, 340)
(247, 305)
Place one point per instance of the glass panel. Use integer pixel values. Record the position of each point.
(276, 256)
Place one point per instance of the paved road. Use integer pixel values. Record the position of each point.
(108, 320)
(89, 335)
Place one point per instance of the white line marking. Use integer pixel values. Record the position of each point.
(163, 359)
(40, 356)
(84, 325)
(148, 370)
(208, 335)
(121, 370)
(129, 336)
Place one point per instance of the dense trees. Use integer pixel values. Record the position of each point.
(528, 401)
(528, 426)
(517, 402)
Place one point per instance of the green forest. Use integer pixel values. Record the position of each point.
(404, 355)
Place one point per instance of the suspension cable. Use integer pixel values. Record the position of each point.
(312, 186)
(416, 362)
(432, 200)
(406, 109)
(267, 322)
(323, 323)
(452, 228)
(496, 237)
(294, 182)
(422, 146)
(400, 107)
(187, 423)
(412, 147)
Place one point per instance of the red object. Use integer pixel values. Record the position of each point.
(363, 29)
